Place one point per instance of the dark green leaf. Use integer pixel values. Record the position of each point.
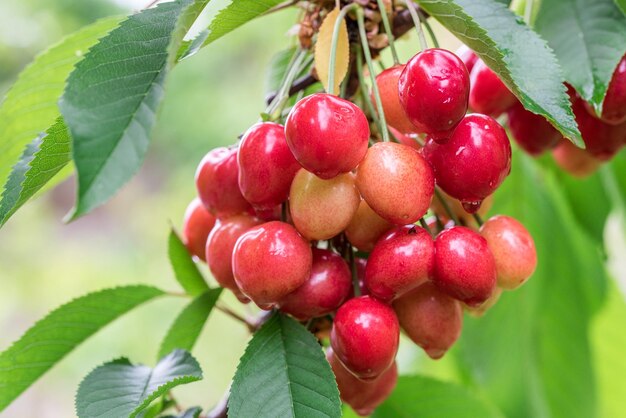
(589, 39)
(189, 323)
(424, 397)
(190, 413)
(121, 389)
(50, 339)
(41, 161)
(112, 97)
(185, 269)
(531, 352)
(517, 54)
(283, 373)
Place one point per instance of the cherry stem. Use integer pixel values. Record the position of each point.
(446, 207)
(440, 224)
(528, 11)
(418, 24)
(431, 33)
(283, 211)
(425, 226)
(333, 47)
(280, 6)
(370, 65)
(478, 219)
(251, 327)
(388, 31)
(278, 103)
(355, 276)
(363, 88)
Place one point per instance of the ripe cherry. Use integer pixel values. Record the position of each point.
(432, 319)
(327, 135)
(270, 261)
(400, 263)
(396, 182)
(513, 250)
(434, 90)
(464, 265)
(531, 132)
(614, 106)
(488, 94)
(220, 245)
(366, 227)
(266, 165)
(395, 117)
(324, 291)
(362, 395)
(468, 57)
(365, 336)
(218, 185)
(197, 225)
(474, 162)
(321, 209)
(575, 161)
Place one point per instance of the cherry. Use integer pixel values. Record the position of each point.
(406, 139)
(457, 209)
(531, 132)
(362, 395)
(197, 225)
(464, 265)
(396, 182)
(474, 162)
(387, 82)
(480, 310)
(366, 227)
(468, 57)
(513, 250)
(218, 185)
(400, 263)
(327, 135)
(266, 165)
(220, 245)
(614, 106)
(488, 94)
(324, 291)
(575, 161)
(320, 208)
(432, 319)
(365, 336)
(434, 90)
(270, 261)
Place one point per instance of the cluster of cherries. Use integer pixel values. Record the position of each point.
(309, 219)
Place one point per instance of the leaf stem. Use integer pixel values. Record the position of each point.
(418, 24)
(370, 65)
(333, 46)
(446, 207)
(388, 31)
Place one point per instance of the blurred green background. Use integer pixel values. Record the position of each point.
(211, 99)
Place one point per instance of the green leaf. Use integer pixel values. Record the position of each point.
(121, 389)
(42, 159)
(30, 106)
(189, 323)
(424, 397)
(185, 269)
(112, 97)
(278, 69)
(189, 413)
(518, 55)
(589, 39)
(621, 4)
(234, 15)
(50, 339)
(283, 373)
(531, 352)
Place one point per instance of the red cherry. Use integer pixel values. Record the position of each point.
(218, 185)
(432, 319)
(365, 336)
(329, 285)
(366, 227)
(266, 165)
(488, 94)
(197, 225)
(614, 106)
(400, 263)
(220, 245)
(575, 161)
(406, 139)
(531, 132)
(320, 208)
(513, 250)
(396, 182)
(362, 395)
(474, 162)
(464, 266)
(270, 261)
(387, 83)
(327, 135)
(468, 57)
(433, 90)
